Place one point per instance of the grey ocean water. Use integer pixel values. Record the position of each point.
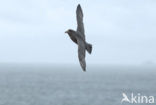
(68, 85)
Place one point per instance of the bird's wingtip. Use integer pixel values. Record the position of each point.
(79, 6)
(84, 69)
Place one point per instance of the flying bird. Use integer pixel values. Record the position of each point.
(78, 37)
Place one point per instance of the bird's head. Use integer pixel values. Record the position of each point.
(69, 31)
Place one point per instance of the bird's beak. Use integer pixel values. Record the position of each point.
(66, 31)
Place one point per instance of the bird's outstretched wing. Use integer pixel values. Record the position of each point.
(80, 25)
(81, 54)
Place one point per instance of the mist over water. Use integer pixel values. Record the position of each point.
(68, 85)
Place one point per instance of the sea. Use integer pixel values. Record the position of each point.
(49, 84)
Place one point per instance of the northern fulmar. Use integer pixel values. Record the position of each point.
(78, 37)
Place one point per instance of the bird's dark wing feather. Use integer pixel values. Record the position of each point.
(81, 54)
(80, 25)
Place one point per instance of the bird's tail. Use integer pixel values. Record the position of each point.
(89, 48)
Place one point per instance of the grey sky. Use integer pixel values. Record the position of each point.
(121, 31)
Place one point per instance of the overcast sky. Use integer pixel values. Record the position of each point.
(121, 31)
